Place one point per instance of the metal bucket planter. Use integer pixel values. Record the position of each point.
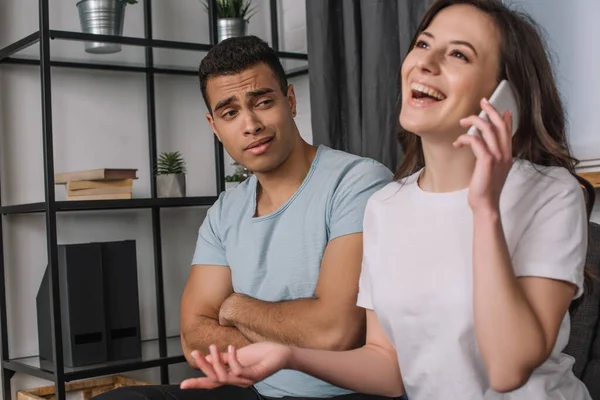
(231, 27)
(170, 185)
(102, 17)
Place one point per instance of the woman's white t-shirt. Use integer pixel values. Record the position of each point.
(417, 276)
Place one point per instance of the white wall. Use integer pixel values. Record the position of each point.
(100, 121)
(571, 28)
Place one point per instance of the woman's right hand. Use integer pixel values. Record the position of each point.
(247, 365)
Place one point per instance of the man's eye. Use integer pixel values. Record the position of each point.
(264, 103)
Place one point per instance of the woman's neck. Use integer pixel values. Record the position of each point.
(447, 169)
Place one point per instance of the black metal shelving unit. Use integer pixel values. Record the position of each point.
(160, 352)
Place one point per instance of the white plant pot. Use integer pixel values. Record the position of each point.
(170, 185)
(231, 185)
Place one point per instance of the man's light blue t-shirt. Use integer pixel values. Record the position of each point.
(277, 257)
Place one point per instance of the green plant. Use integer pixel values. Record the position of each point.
(233, 9)
(234, 178)
(170, 163)
(241, 173)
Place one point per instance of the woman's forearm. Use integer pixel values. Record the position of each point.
(370, 369)
(509, 336)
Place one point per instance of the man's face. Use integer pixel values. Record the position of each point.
(252, 117)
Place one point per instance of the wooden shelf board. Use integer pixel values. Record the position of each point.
(592, 177)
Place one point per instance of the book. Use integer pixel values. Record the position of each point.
(115, 196)
(100, 190)
(82, 185)
(101, 174)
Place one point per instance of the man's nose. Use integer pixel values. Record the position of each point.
(252, 124)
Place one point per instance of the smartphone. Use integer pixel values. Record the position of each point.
(503, 99)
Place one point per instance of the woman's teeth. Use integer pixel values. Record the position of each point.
(417, 87)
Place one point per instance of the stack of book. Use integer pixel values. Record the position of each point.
(98, 184)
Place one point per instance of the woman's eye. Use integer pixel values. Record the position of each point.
(459, 55)
(421, 44)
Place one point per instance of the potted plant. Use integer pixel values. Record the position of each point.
(233, 17)
(170, 175)
(102, 17)
(240, 175)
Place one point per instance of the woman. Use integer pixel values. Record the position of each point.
(474, 254)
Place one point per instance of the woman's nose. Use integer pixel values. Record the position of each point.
(428, 63)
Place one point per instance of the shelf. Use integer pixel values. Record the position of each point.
(151, 60)
(90, 205)
(41, 368)
(170, 57)
(592, 177)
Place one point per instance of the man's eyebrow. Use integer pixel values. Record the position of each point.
(259, 92)
(224, 103)
(251, 94)
(459, 42)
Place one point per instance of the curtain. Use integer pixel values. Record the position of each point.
(355, 49)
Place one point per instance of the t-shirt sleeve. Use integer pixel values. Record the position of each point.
(365, 291)
(364, 288)
(209, 246)
(351, 196)
(554, 245)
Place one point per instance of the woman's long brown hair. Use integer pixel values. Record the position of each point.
(524, 61)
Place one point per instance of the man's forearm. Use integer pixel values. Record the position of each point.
(295, 323)
(207, 331)
(264, 322)
(254, 336)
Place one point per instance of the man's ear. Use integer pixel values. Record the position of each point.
(291, 96)
(211, 122)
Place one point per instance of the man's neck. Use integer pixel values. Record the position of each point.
(447, 168)
(277, 187)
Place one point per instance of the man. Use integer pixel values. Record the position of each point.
(278, 257)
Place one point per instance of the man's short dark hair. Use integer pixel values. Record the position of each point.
(234, 55)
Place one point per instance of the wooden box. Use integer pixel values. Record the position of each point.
(88, 388)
